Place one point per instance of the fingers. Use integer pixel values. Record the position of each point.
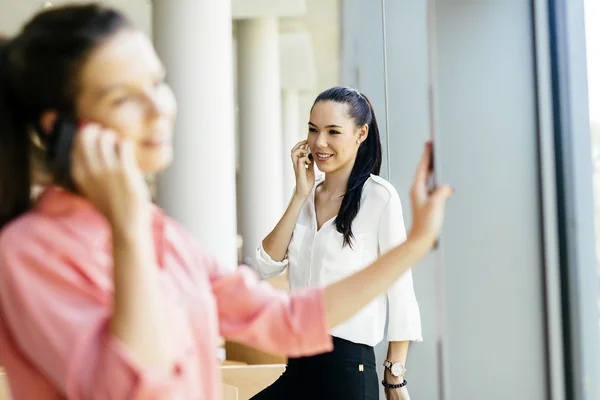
(310, 164)
(95, 149)
(107, 149)
(88, 143)
(127, 156)
(441, 194)
(299, 152)
(129, 165)
(303, 162)
(419, 188)
(300, 155)
(423, 171)
(298, 145)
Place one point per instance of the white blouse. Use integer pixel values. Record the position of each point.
(317, 258)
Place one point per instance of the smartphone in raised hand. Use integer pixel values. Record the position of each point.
(432, 179)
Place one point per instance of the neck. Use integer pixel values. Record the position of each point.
(336, 182)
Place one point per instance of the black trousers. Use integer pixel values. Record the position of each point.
(346, 373)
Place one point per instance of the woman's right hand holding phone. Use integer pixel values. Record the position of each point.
(104, 169)
(304, 170)
(276, 243)
(428, 205)
(345, 297)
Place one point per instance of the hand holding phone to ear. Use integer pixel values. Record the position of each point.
(303, 168)
(277, 242)
(104, 169)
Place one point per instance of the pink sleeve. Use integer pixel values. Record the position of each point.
(254, 313)
(60, 319)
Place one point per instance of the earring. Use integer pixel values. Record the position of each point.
(358, 141)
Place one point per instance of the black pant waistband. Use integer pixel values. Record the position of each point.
(344, 351)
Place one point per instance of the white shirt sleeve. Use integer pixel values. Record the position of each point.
(266, 266)
(404, 316)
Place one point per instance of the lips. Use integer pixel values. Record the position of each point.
(158, 135)
(159, 141)
(322, 157)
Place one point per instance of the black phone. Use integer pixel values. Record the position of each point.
(59, 145)
(432, 181)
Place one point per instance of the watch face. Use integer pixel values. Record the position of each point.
(397, 369)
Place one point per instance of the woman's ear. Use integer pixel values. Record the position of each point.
(47, 121)
(363, 132)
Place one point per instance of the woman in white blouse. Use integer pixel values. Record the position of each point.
(333, 227)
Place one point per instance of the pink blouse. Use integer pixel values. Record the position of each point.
(56, 300)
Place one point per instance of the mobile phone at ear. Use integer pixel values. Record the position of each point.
(60, 144)
(310, 157)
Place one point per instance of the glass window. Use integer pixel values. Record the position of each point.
(592, 31)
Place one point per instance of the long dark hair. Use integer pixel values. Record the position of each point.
(368, 158)
(39, 71)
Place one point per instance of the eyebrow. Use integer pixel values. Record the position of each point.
(104, 91)
(328, 126)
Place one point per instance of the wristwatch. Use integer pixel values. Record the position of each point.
(396, 369)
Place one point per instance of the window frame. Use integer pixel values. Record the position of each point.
(574, 199)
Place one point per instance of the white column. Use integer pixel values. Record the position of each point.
(291, 136)
(194, 40)
(259, 92)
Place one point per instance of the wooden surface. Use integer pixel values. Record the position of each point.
(4, 393)
(230, 362)
(251, 379)
(230, 392)
(249, 355)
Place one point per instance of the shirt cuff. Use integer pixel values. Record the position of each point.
(122, 364)
(266, 266)
(104, 368)
(404, 323)
(309, 305)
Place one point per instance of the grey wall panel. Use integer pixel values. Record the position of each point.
(487, 144)
(493, 238)
(362, 54)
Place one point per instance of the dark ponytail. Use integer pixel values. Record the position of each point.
(368, 158)
(39, 71)
(15, 173)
